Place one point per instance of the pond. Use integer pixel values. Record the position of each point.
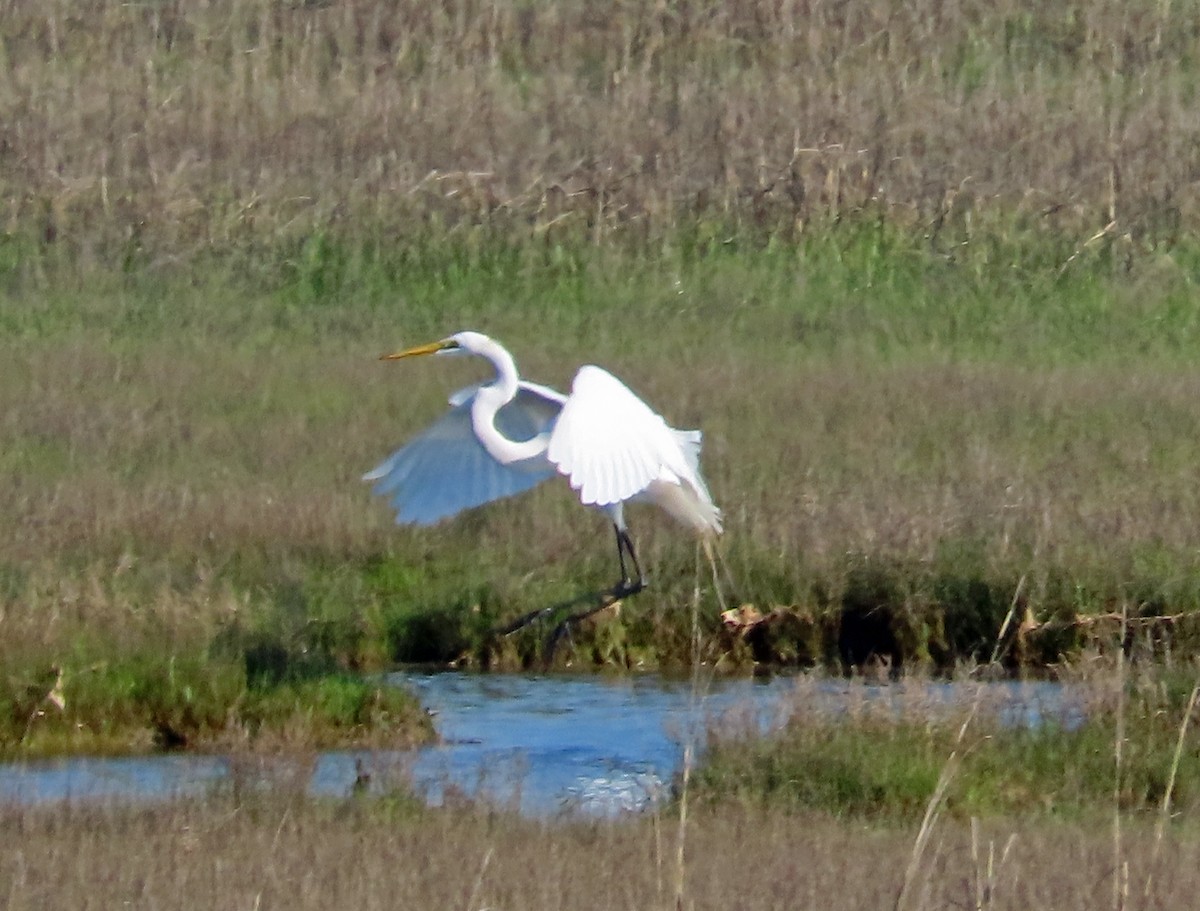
(541, 743)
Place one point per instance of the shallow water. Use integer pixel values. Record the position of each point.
(543, 743)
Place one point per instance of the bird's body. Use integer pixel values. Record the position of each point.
(509, 435)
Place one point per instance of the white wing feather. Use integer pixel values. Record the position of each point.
(445, 470)
(611, 446)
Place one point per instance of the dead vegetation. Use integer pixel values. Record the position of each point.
(300, 855)
(154, 132)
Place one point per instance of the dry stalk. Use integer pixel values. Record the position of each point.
(1120, 891)
(1087, 244)
(487, 859)
(681, 836)
(933, 809)
(1164, 811)
(985, 877)
(54, 696)
(713, 555)
(1012, 609)
(699, 691)
(689, 746)
(656, 827)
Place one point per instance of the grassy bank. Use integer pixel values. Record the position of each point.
(142, 703)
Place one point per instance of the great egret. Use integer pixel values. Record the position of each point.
(506, 436)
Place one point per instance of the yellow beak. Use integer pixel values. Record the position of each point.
(431, 348)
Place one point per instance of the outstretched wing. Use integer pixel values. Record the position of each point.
(445, 470)
(610, 444)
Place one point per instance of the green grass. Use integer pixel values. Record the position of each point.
(866, 289)
(139, 703)
(889, 431)
(882, 758)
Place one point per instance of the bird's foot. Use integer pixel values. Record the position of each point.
(627, 587)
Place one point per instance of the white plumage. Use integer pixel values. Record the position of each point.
(507, 436)
(445, 470)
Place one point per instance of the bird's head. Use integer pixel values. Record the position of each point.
(459, 343)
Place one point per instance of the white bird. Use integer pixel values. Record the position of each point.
(509, 435)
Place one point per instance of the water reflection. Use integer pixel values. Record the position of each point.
(541, 743)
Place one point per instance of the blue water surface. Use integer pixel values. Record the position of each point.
(543, 744)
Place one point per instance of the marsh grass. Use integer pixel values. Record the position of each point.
(882, 754)
(138, 704)
(184, 475)
(282, 851)
(172, 456)
(261, 837)
(924, 274)
(143, 136)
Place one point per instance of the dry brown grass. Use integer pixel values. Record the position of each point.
(294, 855)
(206, 456)
(170, 128)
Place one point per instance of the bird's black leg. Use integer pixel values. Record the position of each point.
(627, 586)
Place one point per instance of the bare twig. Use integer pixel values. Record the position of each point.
(1119, 617)
(602, 601)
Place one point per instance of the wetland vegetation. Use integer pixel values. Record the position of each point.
(924, 273)
(296, 854)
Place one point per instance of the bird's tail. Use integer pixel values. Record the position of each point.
(704, 513)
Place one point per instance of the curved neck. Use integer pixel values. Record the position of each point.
(490, 399)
